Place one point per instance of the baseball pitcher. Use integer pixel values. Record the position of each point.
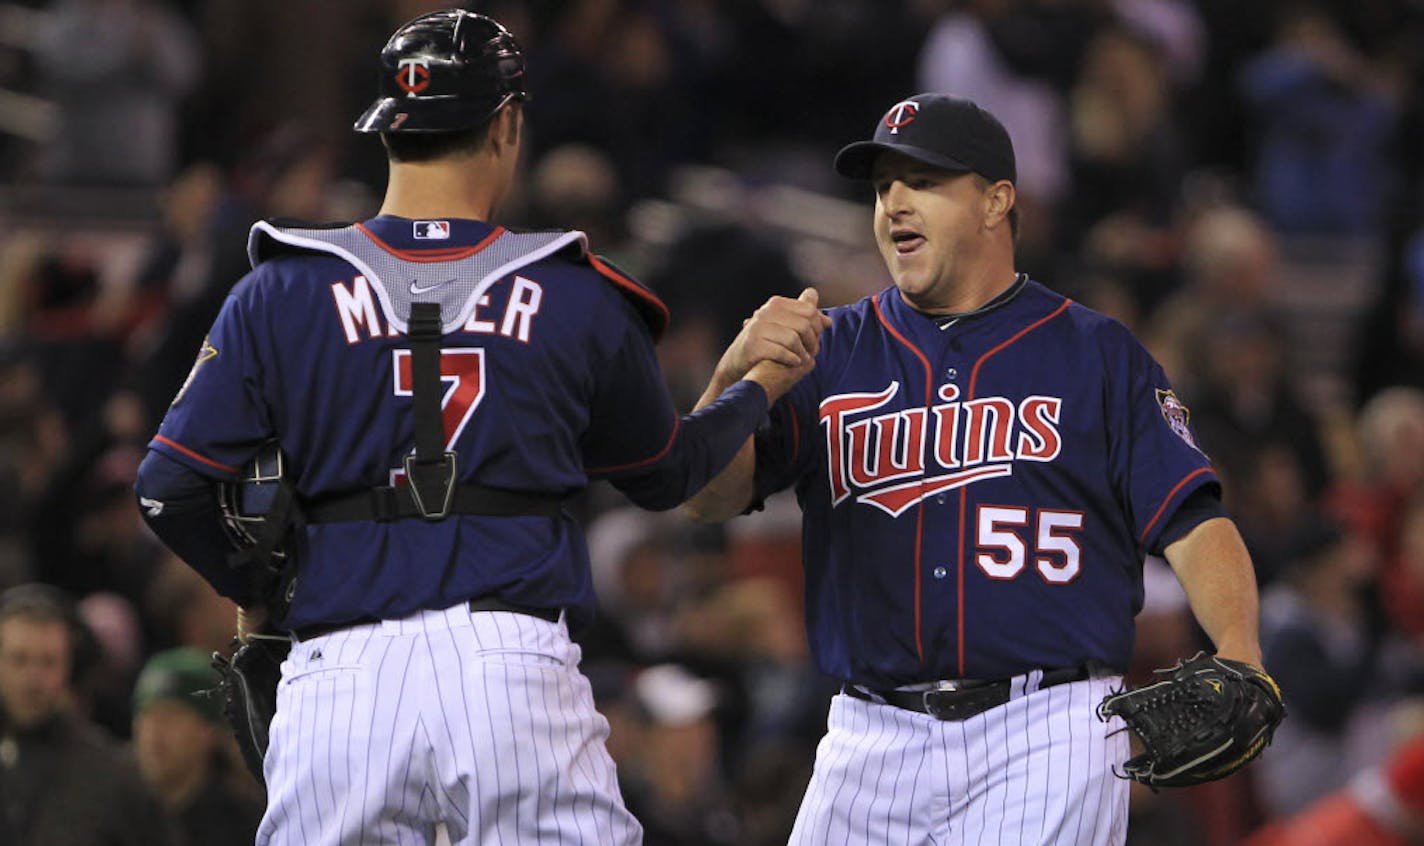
(982, 465)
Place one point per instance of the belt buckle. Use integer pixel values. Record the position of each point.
(934, 704)
(955, 700)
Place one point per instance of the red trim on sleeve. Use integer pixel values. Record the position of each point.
(676, 424)
(919, 506)
(169, 442)
(434, 254)
(1163, 507)
(633, 288)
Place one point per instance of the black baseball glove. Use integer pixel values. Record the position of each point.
(1205, 720)
(249, 693)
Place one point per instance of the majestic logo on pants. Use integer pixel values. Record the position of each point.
(892, 461)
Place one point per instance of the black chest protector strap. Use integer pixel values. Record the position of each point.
(431, 468)
(431, 492)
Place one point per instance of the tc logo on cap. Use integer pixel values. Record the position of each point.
(413, 76)
(901, 114)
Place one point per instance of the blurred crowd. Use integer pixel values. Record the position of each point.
(1239, 183)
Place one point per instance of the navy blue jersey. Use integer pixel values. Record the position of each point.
(552, 380)
(977, 498)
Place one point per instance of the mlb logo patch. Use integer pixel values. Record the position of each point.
(432, 230)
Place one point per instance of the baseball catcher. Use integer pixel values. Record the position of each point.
(1205, 720)
(422, 495)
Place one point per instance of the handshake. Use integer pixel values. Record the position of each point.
(777, 345)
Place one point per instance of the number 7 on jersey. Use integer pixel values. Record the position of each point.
(463, 372)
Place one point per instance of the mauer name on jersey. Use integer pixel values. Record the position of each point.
(881, 458)
(361, 317)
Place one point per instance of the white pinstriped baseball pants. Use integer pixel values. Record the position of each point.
(480, 720)
(1035, 770)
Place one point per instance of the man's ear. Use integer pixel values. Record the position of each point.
(999, 198)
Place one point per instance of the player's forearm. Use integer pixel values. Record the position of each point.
(776, 348)
(706, 440)
(730, 491)
(1215, 570)
(722, 379)
(182, 510)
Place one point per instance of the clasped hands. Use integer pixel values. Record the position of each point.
(777, 345)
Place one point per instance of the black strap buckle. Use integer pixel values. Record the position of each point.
(432, 484)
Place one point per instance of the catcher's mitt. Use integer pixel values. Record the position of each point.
(249, 694)
(1207, 719)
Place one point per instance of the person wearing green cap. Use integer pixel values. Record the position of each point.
(179, 739)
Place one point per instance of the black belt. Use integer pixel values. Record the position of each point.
(483, 603)
(964, 698)
(386, 504)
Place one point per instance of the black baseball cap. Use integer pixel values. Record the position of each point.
(947, 132)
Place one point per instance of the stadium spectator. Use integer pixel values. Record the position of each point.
(185, 753)
(118, 71)
(63, 781)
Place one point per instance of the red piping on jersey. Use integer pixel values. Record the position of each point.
(974, 374)
(193, 455)
(1163, 506)
(676, 423)
(632, 288)
(795, 435)
(919, 506)
(973, 380)
(433, 254)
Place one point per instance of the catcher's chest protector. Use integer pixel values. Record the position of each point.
(455, 283)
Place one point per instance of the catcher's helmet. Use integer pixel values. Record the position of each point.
(445, 71)
(245, 501)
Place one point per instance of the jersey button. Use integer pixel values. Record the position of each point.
(951, 373)
(940, 572)
(940, 498)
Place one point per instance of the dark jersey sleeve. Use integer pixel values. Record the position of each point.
(216, 423)
(181, 507)
(783, 452)
(1153, 455)
(220, 416)
(1202, 505)
(637, 440)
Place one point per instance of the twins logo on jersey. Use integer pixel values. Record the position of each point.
(882, 458)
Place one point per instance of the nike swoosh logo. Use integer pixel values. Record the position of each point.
(417, 288)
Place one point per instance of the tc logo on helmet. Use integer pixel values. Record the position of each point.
(413, 76)
(901, 114)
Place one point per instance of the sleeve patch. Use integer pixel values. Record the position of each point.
(207, 353)
(1177, 415)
